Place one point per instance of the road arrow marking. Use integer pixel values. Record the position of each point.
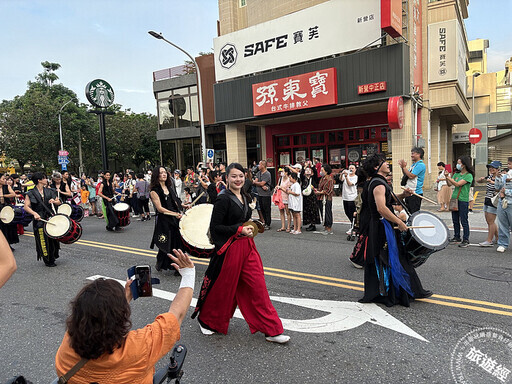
(342, 315)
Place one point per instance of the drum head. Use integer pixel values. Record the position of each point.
(65, 209)
(7, 214)
(121, 207)
(194, 226)
(432, 238)
(57, 226)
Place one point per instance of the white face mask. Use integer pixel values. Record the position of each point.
(322, 173)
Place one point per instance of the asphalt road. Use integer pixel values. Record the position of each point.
(34, 305)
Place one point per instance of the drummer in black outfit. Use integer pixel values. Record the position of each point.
(61, 188)
(38, 203)
(106, 191)
(385, 281)
(7, 197)
(166, 235)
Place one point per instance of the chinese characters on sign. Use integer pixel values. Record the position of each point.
(366, 18)
(308, 90)
(372, 87)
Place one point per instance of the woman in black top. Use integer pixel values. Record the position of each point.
(310, 214)
(7, 197)
(166, 235)
(389, 277)
(235, 274)
(106, 191)
(38, 202)
(61, 187)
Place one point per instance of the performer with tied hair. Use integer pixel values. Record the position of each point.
(38, 202)
(389, 277)
(106, 191)
(235, 274)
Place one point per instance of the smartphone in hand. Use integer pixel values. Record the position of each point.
(143, 279)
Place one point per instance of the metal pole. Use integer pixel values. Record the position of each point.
(473, 118)
(199, 88)
(103, 142)
(60, 124)
(81, 167)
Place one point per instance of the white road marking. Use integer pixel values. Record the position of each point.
(341, 315)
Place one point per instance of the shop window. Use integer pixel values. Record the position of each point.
(283, 141)
(351, 135)
(373, 134)
(300, 140)
(357, 134)
(383, 134)
(317, 138)
(332, 137)
(340, 136)
(300, 155)
(366, 134)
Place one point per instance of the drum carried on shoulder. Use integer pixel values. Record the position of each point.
(62, 228)
(122, 211)
(75, 212)
(194, 228)
(422, 242)
(15, 215)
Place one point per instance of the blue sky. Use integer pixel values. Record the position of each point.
(108, 39)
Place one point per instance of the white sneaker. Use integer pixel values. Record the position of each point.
(206, 331)
(486, 244)
(501, 249)
(280, 339)
(356, 265)
(349, 232)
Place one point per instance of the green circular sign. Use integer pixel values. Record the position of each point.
(99, 93)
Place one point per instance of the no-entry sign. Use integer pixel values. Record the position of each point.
(475, 135)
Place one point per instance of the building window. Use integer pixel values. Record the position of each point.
(178, 108)
(243, 3)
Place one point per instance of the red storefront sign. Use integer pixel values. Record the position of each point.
(373, 87)
(294, 93)
(391, 17)
(396, 112)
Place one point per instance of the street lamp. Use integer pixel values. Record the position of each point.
(159, 36)
(473, 150)
(60, 124)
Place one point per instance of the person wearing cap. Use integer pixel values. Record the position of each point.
(490, 211)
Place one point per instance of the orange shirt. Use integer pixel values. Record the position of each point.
(84, 196)
(134, 362)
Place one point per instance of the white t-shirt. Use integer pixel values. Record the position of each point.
(295, 202)
(349, 192)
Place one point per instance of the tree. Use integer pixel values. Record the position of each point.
(48, 77)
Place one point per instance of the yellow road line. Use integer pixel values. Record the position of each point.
(317, 279)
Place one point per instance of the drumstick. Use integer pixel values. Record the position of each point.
(419, 226)
(422, 197)
(47, 222)
(197, 198)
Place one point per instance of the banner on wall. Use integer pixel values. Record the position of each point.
(304, 35)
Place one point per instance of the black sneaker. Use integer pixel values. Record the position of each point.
(464, 244)
(455, 240)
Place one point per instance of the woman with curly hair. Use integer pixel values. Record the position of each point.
(98, 331)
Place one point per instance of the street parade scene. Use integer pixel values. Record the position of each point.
(321, 191)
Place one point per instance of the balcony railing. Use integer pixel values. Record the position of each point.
(169, 73)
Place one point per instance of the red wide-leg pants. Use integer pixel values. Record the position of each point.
(241, 282)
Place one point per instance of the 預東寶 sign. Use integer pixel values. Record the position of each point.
(304, 91)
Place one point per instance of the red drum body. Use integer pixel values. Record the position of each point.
(194, 228)
(15, 215)
(62, 228)
(123, 214)
(75, 212)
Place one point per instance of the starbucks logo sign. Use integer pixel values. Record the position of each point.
(99, 93)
